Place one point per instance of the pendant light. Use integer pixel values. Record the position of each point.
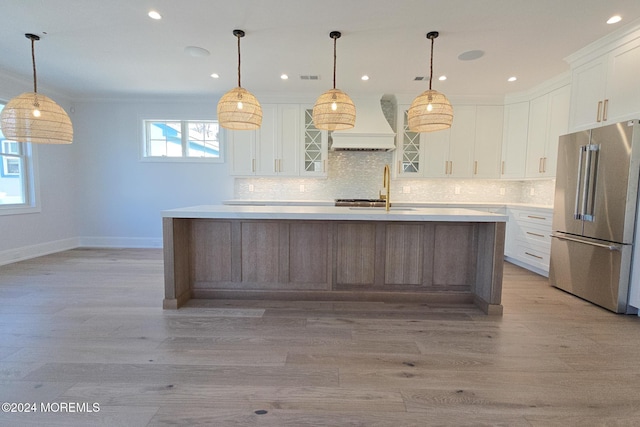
(334, 110)
(238, 109)
(431, 110)
(32, 117)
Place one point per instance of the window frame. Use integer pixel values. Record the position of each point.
(145, 157)
(27, 154)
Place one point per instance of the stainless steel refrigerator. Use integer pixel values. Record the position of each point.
(595, 213)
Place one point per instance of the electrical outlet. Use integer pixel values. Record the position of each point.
(250, 188)
(456, 190)
(503, 191)
(302, 188)
(406, 189)
(532, 192)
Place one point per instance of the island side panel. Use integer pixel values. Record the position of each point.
(454, 264)
(177, 279)
(490, 265)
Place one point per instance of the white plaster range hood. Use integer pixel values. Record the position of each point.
(371, 131)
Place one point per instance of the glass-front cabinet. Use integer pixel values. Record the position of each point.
(408, 152)
(314, 150)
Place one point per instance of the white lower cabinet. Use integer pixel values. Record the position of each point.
(528, 239)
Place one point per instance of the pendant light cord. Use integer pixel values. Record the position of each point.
(334, 61)
(239, 60)
(33, 60)
(431, 65)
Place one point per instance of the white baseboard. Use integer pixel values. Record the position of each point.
(41, 249)
(33, 251)
(120, 242)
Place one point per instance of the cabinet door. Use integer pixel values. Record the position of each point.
(435, 152)
(588, 83)
(314, 150)
(488, 145)
(537, 136)
(408, 154)
(558, 124)
(623, 90)
(462, 141)
(289, 140)
(266, 142)
(240, 146)
(514, 140)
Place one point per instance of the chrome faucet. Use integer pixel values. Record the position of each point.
(386, 183)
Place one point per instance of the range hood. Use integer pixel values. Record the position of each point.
(371, 131)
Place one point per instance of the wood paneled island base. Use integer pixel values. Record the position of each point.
(435, 262)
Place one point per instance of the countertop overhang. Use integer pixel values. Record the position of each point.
(334, 213)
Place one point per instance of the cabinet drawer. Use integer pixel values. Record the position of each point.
(534, 234)
(533, 255)
(533, 217)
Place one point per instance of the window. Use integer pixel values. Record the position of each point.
(182, 139)
(16, 177)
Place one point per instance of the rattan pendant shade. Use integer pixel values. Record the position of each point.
(431, 110)
(35, 118)
(238, 109)
(334, 110)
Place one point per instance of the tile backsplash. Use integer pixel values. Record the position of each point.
(358, 174)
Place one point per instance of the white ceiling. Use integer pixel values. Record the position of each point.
(111, 48)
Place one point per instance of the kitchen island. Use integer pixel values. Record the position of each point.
(431, 255)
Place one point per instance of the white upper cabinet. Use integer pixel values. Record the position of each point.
(469, 149)
(548, 119)
(514, 140)
(488, 145)
(605, 88)
(286, 144)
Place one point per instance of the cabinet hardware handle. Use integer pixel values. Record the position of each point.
(451, 167)
(475, 167)
(253, 165)
(502, 168)
(446, 167)
(544, 165)
(540, 165)
(535, 234)
(536, 217)
(279, 165)
(605, 110)
(599, 111)
(399, 170)
(535, 256)
(275, 165)
(324, 166)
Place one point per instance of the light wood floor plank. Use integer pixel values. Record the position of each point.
(87, 325)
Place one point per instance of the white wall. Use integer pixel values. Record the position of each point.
(54, 226)
(120, 196)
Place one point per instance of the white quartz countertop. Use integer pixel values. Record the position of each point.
(334, 213)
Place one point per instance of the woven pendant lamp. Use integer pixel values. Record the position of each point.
(431, 110)
(238, 109)
(33, 117)
(334, 110)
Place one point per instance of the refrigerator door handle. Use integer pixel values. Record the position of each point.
(576, 210)
(593, 154)
(586, 182)
(599, 245)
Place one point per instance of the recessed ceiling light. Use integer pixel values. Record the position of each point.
(471, 55)
(196, 51)
(614, 19)
(365, 78)
(154, 15)
(512, 79)
(215, 75)
(284, 77)
(442, 78)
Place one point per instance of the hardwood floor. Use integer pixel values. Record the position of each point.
(86, 326)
